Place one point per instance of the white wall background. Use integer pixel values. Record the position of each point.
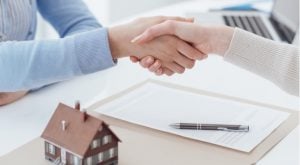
(118, 8)
(109, 11)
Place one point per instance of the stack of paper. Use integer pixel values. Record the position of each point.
(157, 106)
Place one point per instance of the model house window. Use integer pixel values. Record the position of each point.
(106, 155)
(50, 148)
(89, 160)
(92, 160)
(74, 160)
(96, 143)
(111, 152)
(106, 139)
(100, 157)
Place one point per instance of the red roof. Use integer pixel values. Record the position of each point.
(78, 133)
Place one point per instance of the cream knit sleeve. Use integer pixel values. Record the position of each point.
(277, 62)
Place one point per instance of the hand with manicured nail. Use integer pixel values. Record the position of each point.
(206, 39)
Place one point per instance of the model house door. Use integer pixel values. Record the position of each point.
(63, 156)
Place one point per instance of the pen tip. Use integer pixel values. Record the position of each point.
(174, 125)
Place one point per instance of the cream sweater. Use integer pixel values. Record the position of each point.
(277, 62)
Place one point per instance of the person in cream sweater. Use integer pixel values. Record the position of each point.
(275, 61)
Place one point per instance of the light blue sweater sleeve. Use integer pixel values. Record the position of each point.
(83, 49)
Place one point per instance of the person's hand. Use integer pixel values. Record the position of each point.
(207, 39)
(152, 64)
(7, 98)
(174, 54)
(210, 39)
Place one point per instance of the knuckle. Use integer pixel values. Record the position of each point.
(143, 65)
(191, 65)
(191, 53)
(152, 68)
(181, 70)
(157, 65)
(169, 24)
(193, 56)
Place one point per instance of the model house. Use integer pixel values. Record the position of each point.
(72, 137)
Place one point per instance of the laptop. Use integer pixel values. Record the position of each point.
(282, 24)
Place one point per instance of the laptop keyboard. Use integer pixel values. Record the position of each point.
(252, 24)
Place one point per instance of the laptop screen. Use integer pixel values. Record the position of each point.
(287, 13)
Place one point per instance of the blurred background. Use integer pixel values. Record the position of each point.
(111, 11)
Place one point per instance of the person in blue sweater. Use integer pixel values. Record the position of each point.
(84, 46)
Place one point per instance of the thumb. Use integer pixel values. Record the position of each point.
(180, 19)
(165, 28)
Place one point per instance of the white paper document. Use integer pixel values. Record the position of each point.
(157, 106)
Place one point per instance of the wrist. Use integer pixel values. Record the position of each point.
(120, 40)
(226, 40)
(114, 43)
(220, 38)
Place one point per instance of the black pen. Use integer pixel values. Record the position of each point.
(214, 127)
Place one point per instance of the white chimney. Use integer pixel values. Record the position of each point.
(63, 125)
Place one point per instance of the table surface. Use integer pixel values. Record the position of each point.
(25, 120)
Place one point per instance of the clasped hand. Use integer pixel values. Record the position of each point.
(166, 54)
(205, 39)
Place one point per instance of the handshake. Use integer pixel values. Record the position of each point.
(164, 45)
(168, 45)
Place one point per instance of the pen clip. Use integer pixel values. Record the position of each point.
(232, 130)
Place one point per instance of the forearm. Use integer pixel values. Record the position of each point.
(31, 64)
(274, 61)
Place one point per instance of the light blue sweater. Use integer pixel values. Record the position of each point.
(27, 64)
